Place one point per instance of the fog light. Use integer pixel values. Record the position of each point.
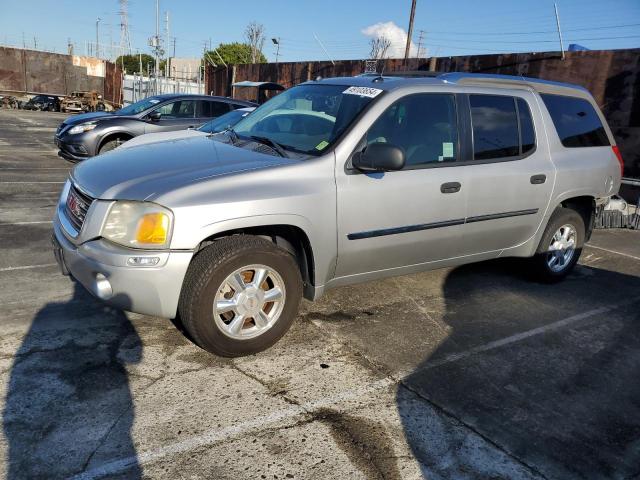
(143, 261)
(103, 287)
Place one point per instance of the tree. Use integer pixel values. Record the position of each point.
(379, 47)
(131, 63)
(254, 34)
(232, 54)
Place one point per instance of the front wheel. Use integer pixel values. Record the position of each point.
(560, 246)
(240, 295)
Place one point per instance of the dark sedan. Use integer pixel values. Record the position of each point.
(88, 134)
(47, 103)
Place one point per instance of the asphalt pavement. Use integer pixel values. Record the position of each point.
(465, 373)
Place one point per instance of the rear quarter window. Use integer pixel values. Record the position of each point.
(576, 121)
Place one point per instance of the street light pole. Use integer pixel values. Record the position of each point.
(97, 38)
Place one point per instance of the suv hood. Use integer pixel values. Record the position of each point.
(147, 171)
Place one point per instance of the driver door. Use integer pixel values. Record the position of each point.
(392, 220)
(177, 115)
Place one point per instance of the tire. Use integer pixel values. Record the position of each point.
(207, 279)
(562, 220)
(110, 145)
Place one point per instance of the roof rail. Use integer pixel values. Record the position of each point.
(413, 74)
(461, 78)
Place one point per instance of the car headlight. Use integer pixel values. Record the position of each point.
(138, 225)
(83, 127)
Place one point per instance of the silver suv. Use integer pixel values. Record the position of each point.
(335, 182)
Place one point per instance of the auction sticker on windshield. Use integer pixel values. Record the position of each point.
(363, 91)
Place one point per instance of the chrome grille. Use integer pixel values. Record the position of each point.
(76, 207)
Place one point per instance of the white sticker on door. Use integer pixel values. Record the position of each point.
(447, 149)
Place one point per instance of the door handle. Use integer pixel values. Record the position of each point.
(450, 187)
(538, 179)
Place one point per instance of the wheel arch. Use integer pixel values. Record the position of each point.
(123, 134)
(290, 237)
(585, 205)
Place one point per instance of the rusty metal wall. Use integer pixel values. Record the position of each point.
(612, 76)
(44, 72)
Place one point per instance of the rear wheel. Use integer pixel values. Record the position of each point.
(560, 246)
(240, 295)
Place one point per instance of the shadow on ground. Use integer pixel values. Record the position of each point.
(563, 403)
(68, 402)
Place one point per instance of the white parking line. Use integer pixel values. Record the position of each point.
(31, 182)
(613, 251)
(27, 267)
(259, 424)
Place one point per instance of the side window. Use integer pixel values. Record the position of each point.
(527, 133)
(576, 121)
(212, 109)
(495, 127)
(424, 125)
(179, 109)
(236, 106)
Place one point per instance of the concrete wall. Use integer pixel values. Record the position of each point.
(31, 71)
(612, 76)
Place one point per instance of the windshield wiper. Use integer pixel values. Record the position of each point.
(233, 136)
(267, 141)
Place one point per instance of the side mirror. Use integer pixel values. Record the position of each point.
(379, 157)
(155, 116)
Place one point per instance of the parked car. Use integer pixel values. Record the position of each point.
(216, 125)
(364, 178)
(82, 136)
(83, 102)
(9, 101)
(47, 103)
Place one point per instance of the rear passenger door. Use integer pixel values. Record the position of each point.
(208, 109)
(510, 176)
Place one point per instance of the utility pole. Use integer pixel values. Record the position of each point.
(555, 7)
(97, 38)
(410, 32)
(35, 43)
(420, 38)
(167, 69)
(157, 69)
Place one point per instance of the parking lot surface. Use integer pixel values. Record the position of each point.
(473, 372)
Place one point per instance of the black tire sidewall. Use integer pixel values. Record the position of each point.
(202, 325)
(562, 216)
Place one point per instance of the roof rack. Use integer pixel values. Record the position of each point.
(413, 74)
(461, 78)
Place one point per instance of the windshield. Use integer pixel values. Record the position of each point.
(138, 107)
(223, 122)
(307, 118)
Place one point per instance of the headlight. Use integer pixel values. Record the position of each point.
(138, 225)
(83, 127)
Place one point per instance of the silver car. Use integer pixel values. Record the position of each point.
(336, 182)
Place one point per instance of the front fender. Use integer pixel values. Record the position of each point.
(324, 252)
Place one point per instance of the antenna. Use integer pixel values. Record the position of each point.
(125, 40)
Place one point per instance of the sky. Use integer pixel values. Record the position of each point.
(344, 27)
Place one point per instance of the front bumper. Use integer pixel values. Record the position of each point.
(102, 268)
(75, 152)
